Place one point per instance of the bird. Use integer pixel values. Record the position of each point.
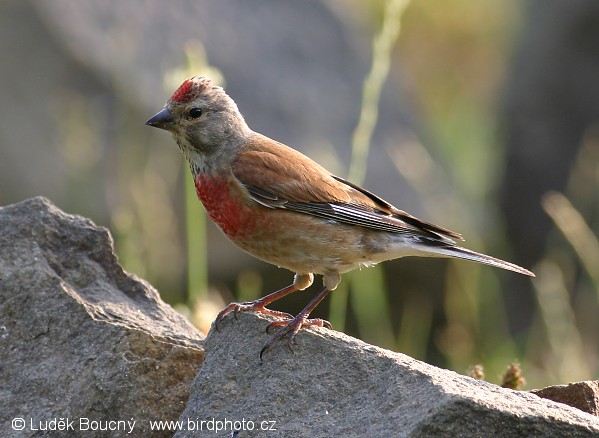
(282, 207)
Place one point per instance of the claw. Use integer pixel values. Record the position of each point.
(318, 322)
(221, 315)
(262, 352)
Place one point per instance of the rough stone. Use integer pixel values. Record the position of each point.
(79, 337)
(82, 339)
(581, 395)
(334, 385)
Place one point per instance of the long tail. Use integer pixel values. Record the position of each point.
(466, 254)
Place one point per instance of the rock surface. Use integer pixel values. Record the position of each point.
(581, 395)
(79, 337)
(82, 341)
(335, 385)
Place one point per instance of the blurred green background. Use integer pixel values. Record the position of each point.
(478, 116)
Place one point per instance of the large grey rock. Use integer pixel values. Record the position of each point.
(335, 385)
(79, 337)
(82, 339)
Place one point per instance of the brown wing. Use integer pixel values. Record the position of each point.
(278, 176)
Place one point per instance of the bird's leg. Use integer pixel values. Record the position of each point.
(301, 282)
(291, 328)
(257, 305)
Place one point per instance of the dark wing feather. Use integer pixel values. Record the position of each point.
(406, 217)
(351, 214)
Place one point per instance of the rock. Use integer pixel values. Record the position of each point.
(335, 385)
(79, 337)
(581, 395)
(82, 341)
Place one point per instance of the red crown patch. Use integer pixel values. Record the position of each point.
(183, 93)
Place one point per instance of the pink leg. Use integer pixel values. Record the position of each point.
(300, 282)
(258, 305)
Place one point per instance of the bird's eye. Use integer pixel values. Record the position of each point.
(195, 113)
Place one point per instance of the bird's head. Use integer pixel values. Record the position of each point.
(202, 118)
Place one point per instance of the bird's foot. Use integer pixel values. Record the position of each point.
(256, 306)
(290, 329)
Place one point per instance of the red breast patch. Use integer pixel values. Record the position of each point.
(237, 220)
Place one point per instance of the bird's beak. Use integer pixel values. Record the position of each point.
(163, 120)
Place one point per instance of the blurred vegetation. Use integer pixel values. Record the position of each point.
(453, 61)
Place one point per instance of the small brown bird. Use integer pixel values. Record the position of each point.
(283, 208)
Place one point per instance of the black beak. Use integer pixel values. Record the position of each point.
(163, 120)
